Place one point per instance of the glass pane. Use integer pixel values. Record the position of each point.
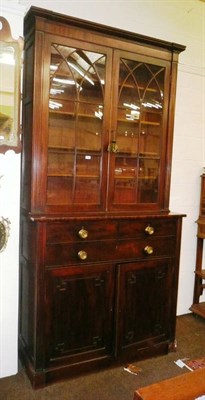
(61, 131)
(60, 163)
(151, 111)
(148, 180)
(139, 132)
(128, 108)
(89, 126)
(127, 138)
(87, 188)
(149, 144)
(59, 190)
(76, 102)
(125, 180)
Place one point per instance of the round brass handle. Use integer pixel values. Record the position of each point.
(82, 255)
(149, 250)
(83, 234)
(149, 230)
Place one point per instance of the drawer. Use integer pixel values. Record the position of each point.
(67, 253)
(108, 250)
(59, 232)
(147, 227)
(146, 248)
(72, 231)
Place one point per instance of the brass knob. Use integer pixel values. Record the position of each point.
(82, 255)
(83, 234)
(149, 250)
(149, 230)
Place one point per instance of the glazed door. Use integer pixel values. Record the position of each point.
(79, 320)
(139, 125)
(144, 307)
(77, 124)
(103, 139)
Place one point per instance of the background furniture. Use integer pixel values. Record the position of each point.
(99, 247)
(188, 386)
(198, 306)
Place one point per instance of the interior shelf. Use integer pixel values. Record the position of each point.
(77, 176)
(128, 121)
(68, 113)
(93, 116)
(127, 177)
(61, 149)
(60, 175)
(64, 149)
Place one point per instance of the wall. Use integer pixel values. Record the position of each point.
(173, 20)
(9, 208)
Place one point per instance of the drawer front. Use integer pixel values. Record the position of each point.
(147, 227)
(146, 248)
(72, 231)
(71, 253)
(59, 232)
(108, 250)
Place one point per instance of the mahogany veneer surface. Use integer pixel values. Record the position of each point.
(188, 386)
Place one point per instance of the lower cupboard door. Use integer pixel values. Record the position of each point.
(145, 311)
(79, 313)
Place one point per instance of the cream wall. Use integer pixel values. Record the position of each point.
(173, 20)
(9, 208)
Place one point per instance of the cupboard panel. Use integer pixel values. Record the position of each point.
(144, 304)
(93, 288)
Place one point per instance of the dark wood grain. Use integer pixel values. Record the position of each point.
(118, 301)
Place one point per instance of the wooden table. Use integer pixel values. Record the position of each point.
(187, 386)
